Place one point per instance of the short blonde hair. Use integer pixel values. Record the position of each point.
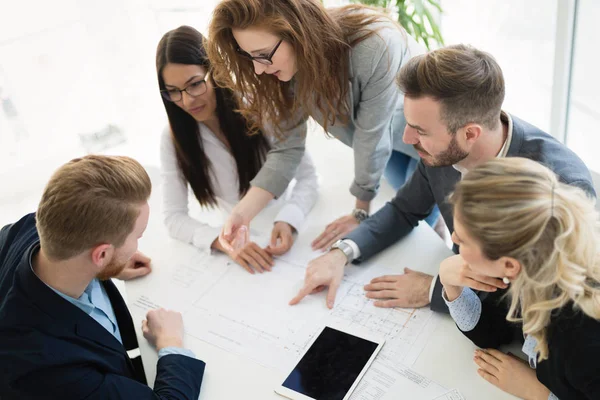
(517, 208)
(89, 201)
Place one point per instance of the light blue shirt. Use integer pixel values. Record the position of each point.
(465, 310)
(95, 302)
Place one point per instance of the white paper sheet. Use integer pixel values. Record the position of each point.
(454, 394)
(392, 381)
(178, 279)
(299, 255)
(247, 314)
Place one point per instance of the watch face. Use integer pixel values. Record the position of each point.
(360, 215)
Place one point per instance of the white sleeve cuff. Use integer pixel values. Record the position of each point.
(552, 396)
(354, 247)
(175, 350)
(432, 287)
(204, 237)
(291, 214)
(465, 310)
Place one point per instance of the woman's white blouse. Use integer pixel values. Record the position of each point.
(298, 199)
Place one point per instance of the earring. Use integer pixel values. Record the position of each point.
(506, 280)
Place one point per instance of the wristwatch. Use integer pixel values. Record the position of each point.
(345, 248)
(360, 214)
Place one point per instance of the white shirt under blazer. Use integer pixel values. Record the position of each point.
(299, 198)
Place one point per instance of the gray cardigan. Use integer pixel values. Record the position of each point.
(376, 122)
(429, 186)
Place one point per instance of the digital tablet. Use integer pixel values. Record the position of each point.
(332, 366)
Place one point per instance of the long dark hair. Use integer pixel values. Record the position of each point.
(184, 45)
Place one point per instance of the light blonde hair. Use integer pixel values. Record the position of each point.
(515, 207)
(321, 40)
(467, 82)
(89, 201)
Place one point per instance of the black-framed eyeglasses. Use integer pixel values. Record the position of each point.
(194, 89)
(262, 59)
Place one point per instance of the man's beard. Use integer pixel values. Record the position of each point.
(452, 155)
(113, 269)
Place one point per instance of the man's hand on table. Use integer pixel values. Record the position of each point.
(137, 266)
(334, 232)
(163, 328)
(410, 290)
(324, 271)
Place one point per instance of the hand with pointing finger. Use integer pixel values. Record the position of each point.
(322, 272)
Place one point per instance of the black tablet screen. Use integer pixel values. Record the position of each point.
(331, 365)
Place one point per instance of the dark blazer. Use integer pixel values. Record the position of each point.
(572, 369)
(429, 186)
(50, 349)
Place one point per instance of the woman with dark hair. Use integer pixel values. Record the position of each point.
(208, 145)
(295, 59)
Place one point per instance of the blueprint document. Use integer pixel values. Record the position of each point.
(451, 395)
(389, 380)
(247, 314)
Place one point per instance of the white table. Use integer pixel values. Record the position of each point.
(447, 359)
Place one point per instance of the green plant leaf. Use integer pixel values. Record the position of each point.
(419, 22)
(418, 4)
(372, 3)
(436, 5)
(436, 34)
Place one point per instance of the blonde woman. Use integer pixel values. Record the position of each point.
(516, 222)
(294, 59)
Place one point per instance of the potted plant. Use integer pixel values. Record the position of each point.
(418, 17)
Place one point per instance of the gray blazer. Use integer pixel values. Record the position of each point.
(376, 122)
(429, 186)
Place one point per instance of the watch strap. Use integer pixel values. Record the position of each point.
(346, 249)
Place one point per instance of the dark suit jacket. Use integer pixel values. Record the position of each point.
(50, 349)
(429, 186)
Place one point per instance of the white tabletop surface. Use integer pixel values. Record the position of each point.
(447, 358)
